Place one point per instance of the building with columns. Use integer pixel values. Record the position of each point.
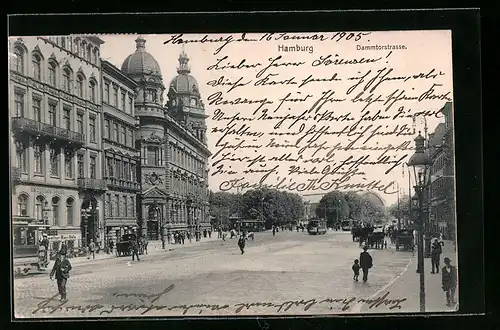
(56, 149)
(172, 142)
(121, 157)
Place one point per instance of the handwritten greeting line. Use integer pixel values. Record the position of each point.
(283, 36)
(45, 306)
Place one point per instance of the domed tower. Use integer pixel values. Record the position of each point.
(184, 101)
(145, 71)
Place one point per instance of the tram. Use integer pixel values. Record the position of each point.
(316, 227)
(28, 254)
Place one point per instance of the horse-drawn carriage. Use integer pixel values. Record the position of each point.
(403, 239)
(361, 234)
(124, 246)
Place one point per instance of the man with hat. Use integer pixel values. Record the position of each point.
(449, 281)
(365, 262)
(61, 269)
(436, 251)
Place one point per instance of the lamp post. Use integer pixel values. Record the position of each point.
(85, 225)
(421, 164)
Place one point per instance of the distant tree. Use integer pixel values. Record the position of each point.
(333, 207)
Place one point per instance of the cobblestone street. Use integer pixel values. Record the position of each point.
(291, 273)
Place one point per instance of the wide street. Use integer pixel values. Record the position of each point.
(291, 273)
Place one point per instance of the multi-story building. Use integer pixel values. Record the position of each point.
(442, 188)
(121, 158)
(173, 148)
(55, 111)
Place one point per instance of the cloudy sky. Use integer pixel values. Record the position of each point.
(423, 51)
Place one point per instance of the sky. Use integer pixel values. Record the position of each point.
(424, 51)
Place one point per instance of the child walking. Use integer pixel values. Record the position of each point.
(355, 269)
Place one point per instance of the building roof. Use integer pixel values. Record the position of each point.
(140, 62)
(184, 82)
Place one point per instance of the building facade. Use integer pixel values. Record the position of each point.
(55, 157)
(442, 187)
(121, 157)
(171, 139)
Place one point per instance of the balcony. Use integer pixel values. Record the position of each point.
(25, 125)
(115, 183)
(92, 184)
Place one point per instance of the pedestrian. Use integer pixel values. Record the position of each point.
(366, 262)
(169, 237)
(176, 238)
(92, 248)
(355, 269)
(210, 234)
(241, 243)
(134, 247)
(436, 251)
(61, 270)
(449, 281)
(189, 236)
(111, 246)
(274, 231)
(183, 237)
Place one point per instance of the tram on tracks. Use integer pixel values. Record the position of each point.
(30, 254)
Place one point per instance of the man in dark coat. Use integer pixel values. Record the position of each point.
(61, 269)
(449, 281)
(134, 247)
(241, 243)
(365, 262)
(436, 251)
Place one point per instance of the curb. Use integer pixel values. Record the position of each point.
(357, 308)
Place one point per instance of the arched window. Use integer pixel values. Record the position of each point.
(22, 205)
(89, 53)
(69, 210)
(77, 46)
(37, 66)
(55, 210)
(67, 79)
(96, 56)
(40, 201)
(52, 73)
(79, 85)
(92, 91)
(84, 49)
(63, 42)
(18, 60)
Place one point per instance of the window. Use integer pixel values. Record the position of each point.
(125, 211)
(83, 49)
(133, 172)
(22, 156)
(81, 166)
(79, 86)
(131, 137)
(37, 158)
(37, 66)
(126, 171)
(89, 53)
(54, 161)
(37, 109)
(115, 96)
(119, 169)
(110, 167)
(67, 79)
(115, 206)
(55, 211)
(92, 91)
(132, 201)
(109, 205)
(52, 73)
(67, 118)
(124, 135)
(96, 56)
(68, 165)
(129, 108)
(77, 46)
(18, 60)
(93, 168)
(22, 205)
(69, 211)
(63, 42)
(115, 132)
(152, 156)
(40, 201)
(106, 92)
(106, 128)
(52, 114)
(123, 103)
(92, 129)
(79, 122)
(19, 104)
(151, 95)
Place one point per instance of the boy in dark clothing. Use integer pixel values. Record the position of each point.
(134, 246)
(355, 269)
(61, 269)
(241, 244)
(366, 262)
(449, 281)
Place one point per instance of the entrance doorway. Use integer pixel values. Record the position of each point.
(89, 221)
(153, 223)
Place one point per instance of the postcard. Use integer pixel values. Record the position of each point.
(245, 174)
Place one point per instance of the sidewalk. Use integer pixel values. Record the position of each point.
(153, 248)
(407, 285)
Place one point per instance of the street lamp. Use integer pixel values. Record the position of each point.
(421, 164)
(85, 224)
